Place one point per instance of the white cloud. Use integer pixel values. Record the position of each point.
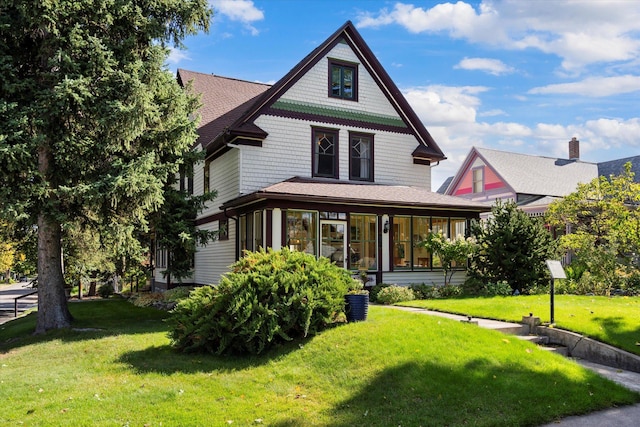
(593, 86)
(176, 56)
(492, 113)
(491, 66)
(581, 32)
(442, 105)
(239, 10)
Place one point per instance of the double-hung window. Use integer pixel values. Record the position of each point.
(361, 157)
(343, 80)
(325, 153)
(478, 180)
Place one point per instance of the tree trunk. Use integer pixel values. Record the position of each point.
(53, 312)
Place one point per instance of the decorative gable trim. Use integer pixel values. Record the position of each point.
(264, 104)
(339, 116)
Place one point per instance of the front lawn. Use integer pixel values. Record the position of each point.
(397, 368)
(614, 320)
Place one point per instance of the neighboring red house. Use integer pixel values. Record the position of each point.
(533, 182)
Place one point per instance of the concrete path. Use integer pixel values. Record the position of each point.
(627, 416)
(8, 294)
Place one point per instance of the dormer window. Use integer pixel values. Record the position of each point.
(343, 81)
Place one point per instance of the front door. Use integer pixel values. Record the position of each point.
(333, 243)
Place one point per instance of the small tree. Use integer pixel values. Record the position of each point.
(451, 252)
(603, 217)
(513, 247)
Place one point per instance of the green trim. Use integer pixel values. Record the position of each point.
(322, 110)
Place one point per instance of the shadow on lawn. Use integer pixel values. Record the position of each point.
(92, 319)
(166, 360)
(618, 333)
(479, 393)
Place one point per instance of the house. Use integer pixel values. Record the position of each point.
(330, 160)
(533, 182)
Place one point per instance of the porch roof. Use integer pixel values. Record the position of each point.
(355, 193)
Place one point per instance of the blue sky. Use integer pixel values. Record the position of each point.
(522, 76)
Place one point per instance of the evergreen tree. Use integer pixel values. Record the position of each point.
(512, 247)
(91, 121)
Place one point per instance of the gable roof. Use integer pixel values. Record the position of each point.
(529, 174)
(237, 120)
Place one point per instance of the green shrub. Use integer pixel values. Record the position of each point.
(394, 293)
(424, 291)
(501, 288)
(449, 291)
(373, 294)
(177, 294)
(268, 297)
(147, 299)
(106, 290)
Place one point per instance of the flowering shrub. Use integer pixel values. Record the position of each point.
(451, 252)
(394, 293)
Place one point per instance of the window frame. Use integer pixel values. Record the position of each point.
(479, 181)
(207, 176)
(352, 159)
(342, 65)
(315, 154)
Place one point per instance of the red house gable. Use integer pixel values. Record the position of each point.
(487, 179)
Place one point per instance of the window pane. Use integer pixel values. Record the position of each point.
(421, 257)
(401, 242)
(361, 158)
(336, 81)
(347, 82)
(257, 230)
(439, 225)
(325, 154)
(302, 231)
(458, 231)
(477, 181)
(363, 242)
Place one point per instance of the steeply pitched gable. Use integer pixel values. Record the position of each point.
(238, 120)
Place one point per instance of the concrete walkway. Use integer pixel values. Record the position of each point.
(8, 294)
(627, 416)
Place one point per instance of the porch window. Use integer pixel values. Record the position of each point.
(223, 229)
(302, 231)
(363, 247)
(419, 231)
(246, 233)
(343, 80)
(325, 153)
(439, 225)
(250, 232)
(361, 157)
(402, 242)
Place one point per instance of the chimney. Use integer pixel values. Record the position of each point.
(574, 149)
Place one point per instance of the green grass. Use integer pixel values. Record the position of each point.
(396, 368)
(615, 320)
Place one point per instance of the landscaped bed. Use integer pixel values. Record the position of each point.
(396, 368)
(613, 320)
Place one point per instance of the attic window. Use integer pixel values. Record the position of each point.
(478, 180)
(343, 80)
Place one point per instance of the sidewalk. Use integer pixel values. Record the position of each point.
(7, 299)
(627, 416)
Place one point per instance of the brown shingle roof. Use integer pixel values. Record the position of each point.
(223, 99)
(320, 190)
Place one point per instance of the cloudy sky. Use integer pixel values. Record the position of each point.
(514, 75)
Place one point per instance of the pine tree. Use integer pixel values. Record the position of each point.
(91, 121)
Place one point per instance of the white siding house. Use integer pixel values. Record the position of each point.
(331, 160)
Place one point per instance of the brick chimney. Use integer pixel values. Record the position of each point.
(574, 149)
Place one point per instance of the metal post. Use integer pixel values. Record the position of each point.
(552, 292)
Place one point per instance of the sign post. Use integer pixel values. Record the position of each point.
(557, 272)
